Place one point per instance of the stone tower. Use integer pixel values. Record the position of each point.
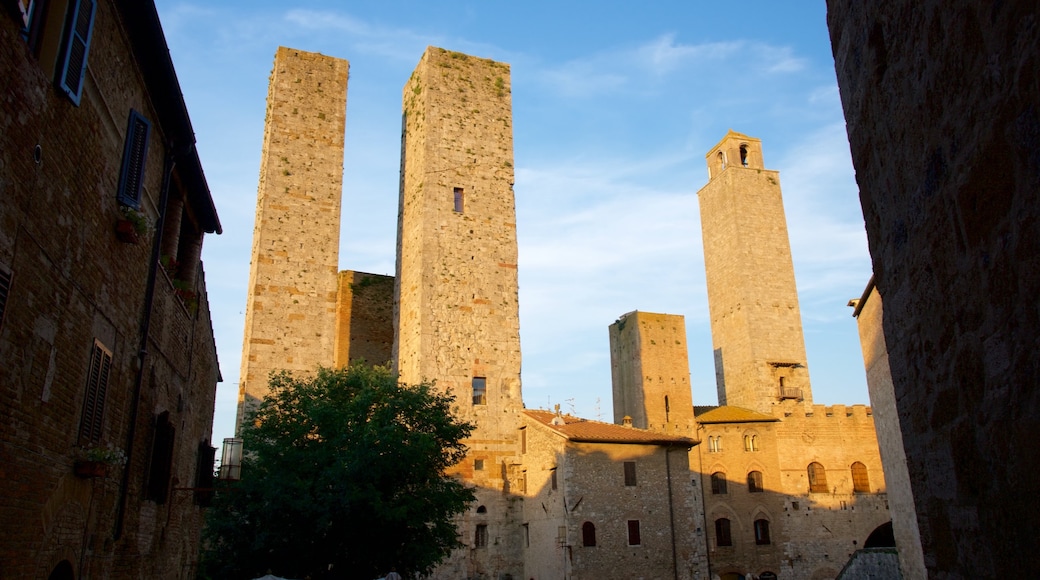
(291, 305)
(457, 317)
(756, 325)
(650, 372)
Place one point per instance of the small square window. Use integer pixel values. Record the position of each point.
(478, 464)
(459, 200)
(479, 391)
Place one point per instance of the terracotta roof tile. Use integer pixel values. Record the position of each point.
(582, 430)
(730, 414)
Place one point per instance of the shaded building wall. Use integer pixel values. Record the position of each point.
(456, 299)
(756, 325)
(650, 372)
(940, 102)
(869, 314)
(290, 317)
(364, 319)
(72, 287)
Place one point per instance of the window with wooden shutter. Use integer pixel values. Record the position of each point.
(630, 473)
(860, 479)
(204, 474)
(633, 533)
(817, 478)
(162, 459)
(135, 151)
(92, 420)
(73, 63)
(722, 532)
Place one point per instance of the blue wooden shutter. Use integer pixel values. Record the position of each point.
(77, 44)
(135, 150)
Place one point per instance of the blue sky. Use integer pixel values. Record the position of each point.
(614, 108)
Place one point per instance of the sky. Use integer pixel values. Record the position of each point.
(615, 105)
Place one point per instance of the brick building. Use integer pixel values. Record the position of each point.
(105, 332)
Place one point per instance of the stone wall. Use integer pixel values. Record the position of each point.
(74, 284)
(291, 303)
(364, 318)
(940, 102)
(756, 325)
(869, 314)
(456, 297)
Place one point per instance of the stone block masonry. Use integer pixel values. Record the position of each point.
(292, 300)
(364, 319)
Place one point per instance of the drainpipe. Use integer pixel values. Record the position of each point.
(671, 511)
(142, 352)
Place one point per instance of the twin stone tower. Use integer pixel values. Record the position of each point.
(451, 312)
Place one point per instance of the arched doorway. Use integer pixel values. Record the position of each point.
(63, 571)
(881, 537)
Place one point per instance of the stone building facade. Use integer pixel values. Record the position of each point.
(940, 102)
(559, 496)
(105, 332)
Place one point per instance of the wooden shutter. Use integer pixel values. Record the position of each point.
(77, 44)
(204, 474)
(633, 533)
(630, 473)
(135, 151)
(162, 458)
(91, 422)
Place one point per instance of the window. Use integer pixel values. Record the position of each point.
(552, 478)
(480, 538)
(91, 422)
(527, 536)
(588, 535)
(750, 442)
(162, 459)
(715, 444)
(481, 509)
(817, 478)
(523, 440)
(58, 33)
(754, 482)
(523, 482)
(762, 532)
(478, 465)
(718, 483)
(479, 391)
(459, 197)
(5, 289)
(135, 150)
(633, 533)
(630, 473)
(667, 409)
(860, 479)
(722, 535)
(743, 155)
(204, 474)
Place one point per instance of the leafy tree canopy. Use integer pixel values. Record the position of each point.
(344, 477)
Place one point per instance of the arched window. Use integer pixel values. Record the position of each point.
(718, 483)
(750, 442)
(722, 160)
(588, 535)
(860, 479)
(715, 444)
(754, 482)
(743, 155)
(722, 535)
(481, 510)
(817, 478)
(761, 532)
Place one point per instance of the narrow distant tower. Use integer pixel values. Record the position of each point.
(756, 325)
(650, 372)
(291, 305)
(456, 317)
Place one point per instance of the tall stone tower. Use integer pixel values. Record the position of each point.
(650, 372)
(756, 325)
(457, 317)
(291, 305)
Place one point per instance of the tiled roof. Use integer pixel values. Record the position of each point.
(730, 414)
(582, 430)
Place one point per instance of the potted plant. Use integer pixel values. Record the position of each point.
(94, 461)
(132, 225)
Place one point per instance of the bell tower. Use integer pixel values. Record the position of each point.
(756, 325)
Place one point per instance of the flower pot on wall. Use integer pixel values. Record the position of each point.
(90, 469)
(126, 232)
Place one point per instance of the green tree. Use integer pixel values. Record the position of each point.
(344, 476)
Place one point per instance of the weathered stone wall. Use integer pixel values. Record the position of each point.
(869, 315)
(940, 101)
(364, 318)
(873, 564)
(756, 325)
(650, 372)
(73, 282)
(457, 314)
(291, 304)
